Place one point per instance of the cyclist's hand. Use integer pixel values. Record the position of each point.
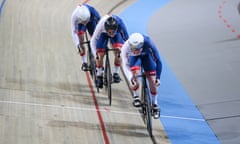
(157, 82)
(97, 57)
(78, 49)
(81, 49)
(134, 84)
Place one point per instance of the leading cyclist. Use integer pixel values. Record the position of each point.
(84, 17)
(109, 27)
(139, 51)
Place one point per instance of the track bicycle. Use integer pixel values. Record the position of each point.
(108, 74)
(90, 60)
(146, 103)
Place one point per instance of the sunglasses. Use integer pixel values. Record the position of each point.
(111, 32)
(136, 47)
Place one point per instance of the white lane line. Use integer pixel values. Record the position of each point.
(68, 107)
(92, 109)
(183, 118)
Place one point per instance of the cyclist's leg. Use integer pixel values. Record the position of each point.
(82, 51)
(150, 70)
(101, 48)
(135, 66)
(117, 43)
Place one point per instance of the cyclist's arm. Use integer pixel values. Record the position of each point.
(157, 57)
(159, 68)
(125, 64)
(123, 29)
(98, 30)
(74, 28)
(124, 32)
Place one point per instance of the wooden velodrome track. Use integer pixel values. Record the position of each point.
(44, 96)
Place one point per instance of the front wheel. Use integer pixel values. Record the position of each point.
(92, 67)
(148, 114)
(146, 107)
(108, 77)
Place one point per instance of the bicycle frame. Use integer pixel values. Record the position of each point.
(108, 75)
(91, 60)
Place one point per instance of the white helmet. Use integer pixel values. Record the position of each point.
(83, 13)
(136, 41)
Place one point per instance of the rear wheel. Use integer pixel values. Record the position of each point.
(90, 62)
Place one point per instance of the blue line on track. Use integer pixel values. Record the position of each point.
(181, 119)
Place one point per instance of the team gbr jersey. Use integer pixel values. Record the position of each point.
(95, 16)
(148, 49)
(101, 29)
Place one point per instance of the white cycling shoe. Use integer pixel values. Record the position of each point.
(155, 111)
(136, 101)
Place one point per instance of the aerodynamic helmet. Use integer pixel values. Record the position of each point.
(136, 41)
(111, 24)
(83, 13)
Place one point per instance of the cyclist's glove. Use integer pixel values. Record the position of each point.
(81, 49)
(157, 82)
(78, 49)
(134, 84)
(97, 57)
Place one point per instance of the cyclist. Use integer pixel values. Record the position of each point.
(137, 51)
(109, 27)
(84, 17)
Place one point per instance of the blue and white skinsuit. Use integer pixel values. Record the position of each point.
(78, 28)
(100, 39)
(149, 59)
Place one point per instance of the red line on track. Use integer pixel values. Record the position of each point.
(220, 10)
(105, 136)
